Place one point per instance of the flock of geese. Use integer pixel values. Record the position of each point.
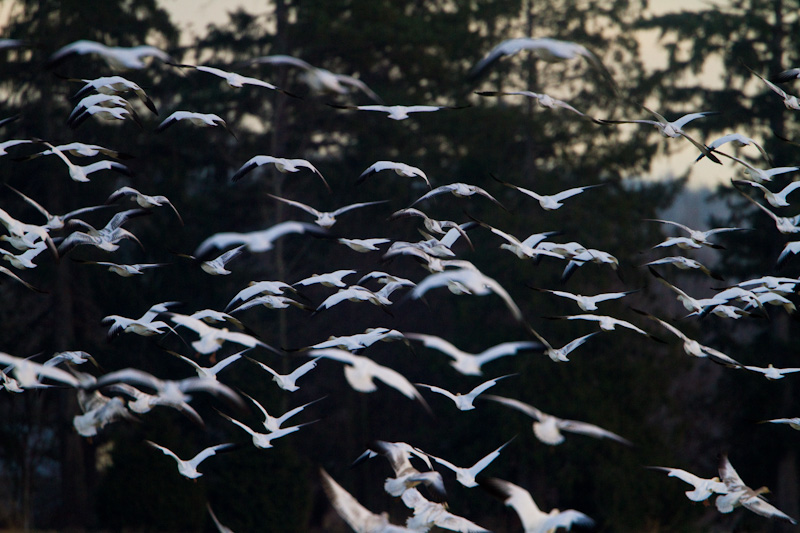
(421, 480)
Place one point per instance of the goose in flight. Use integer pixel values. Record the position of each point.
(775, 199)
(440, 227)
(147, 325)
(109, 101)
(587, 303)
(141, 402)
(320, 79)
(794, 423)
(358, 517)
(459, 190)
(692, 347)
(210, 372)
(702, 488)
(256, 241)
(466, 476)
(361, 372)
(272, 302)
(785, 225)
(464, 402)
(428, 514)
(736, 138)
(114, 85)
(25, 259)
(357, 293)
(606, 323)
(209, 120)
(533, 519)
(330, 279)
(740, 494)
(234, 80)
(81, 173)
(79, 149)
(543, 100)
(360, 341)
(283, 165)
(685, 263)
(789, 100)
(699, 306)
(470, 364)
(288, 381)
(548, 428)
(758, 174)
(397, 112)
(544, 48)
(406, 475)
(144, 200)
(118, 57)
(560, 354)
(272, 423)
(211, 339)
(107, 237)
(29, 374)
(255, 288)
(188, 468)
(363, 245)
(126, 271)
(674, 128)
(772, 373)
(553, 201)
(401, 169)
(22, 235)
(466, 281)
(325, 219)
(264, 440)
(216, 266)
(98, 411)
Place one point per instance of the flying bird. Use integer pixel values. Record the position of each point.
(702, 488)
(325, 219)
(397, 112)
(459, 190)
(543, 100)
(118, 57)
(740, 494)
(464, 402)
(188, 468)
(550, 202)
(401, 169)
(283, 165)
(289, 381)
(198, 119)
(466, 476)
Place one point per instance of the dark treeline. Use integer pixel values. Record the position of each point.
(679, 411)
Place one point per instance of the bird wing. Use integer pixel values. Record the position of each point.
(585, 428)
(529, 410)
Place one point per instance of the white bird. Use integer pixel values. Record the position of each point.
(126, 271)
(211, 339)
(470, 364)
(548, 428)
(320, 79)
(544, 48)
(406, 476)
(105, 113)
(775, 199)
(254, 288)
(794, 423)
(587, 303)
(741, 494)
(330, 279)
(606, 323)
(543, 100)
(81, 173)
(264, 440)
(464, 402)
(116, 85)
(356, 515)
(283, 165)
(325, 219)
(55, 222)
(459, 190)
(699, 237)
(361, 372)
(736, 138)
(785, 225)
(533, 519)
(772, 373)
(288, 381)
(272, 423)
(469, 281)
(271, 302)
(30, 373)
(757, 174)
(22, 235)
(210, 372)
(144, 200)
(234, 80)
(188, 468)
(789, 100)
(560, 354)
(526, 249)
(428, 514)
(703, 488)
(685, 263)
(25, 259)
(119, 57)
(699, 306)
(553, 201)
(363, 245)
(198, 119)
(590, 255)
(145, 326)
(401, 169)
(692, 347)
(97, 412)
(256, 241)
(107, 237)
(674, 128)
(466, 476)
(360, 341)
(88, 106)
(143, 402)
(216, 266)
(397, 112)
